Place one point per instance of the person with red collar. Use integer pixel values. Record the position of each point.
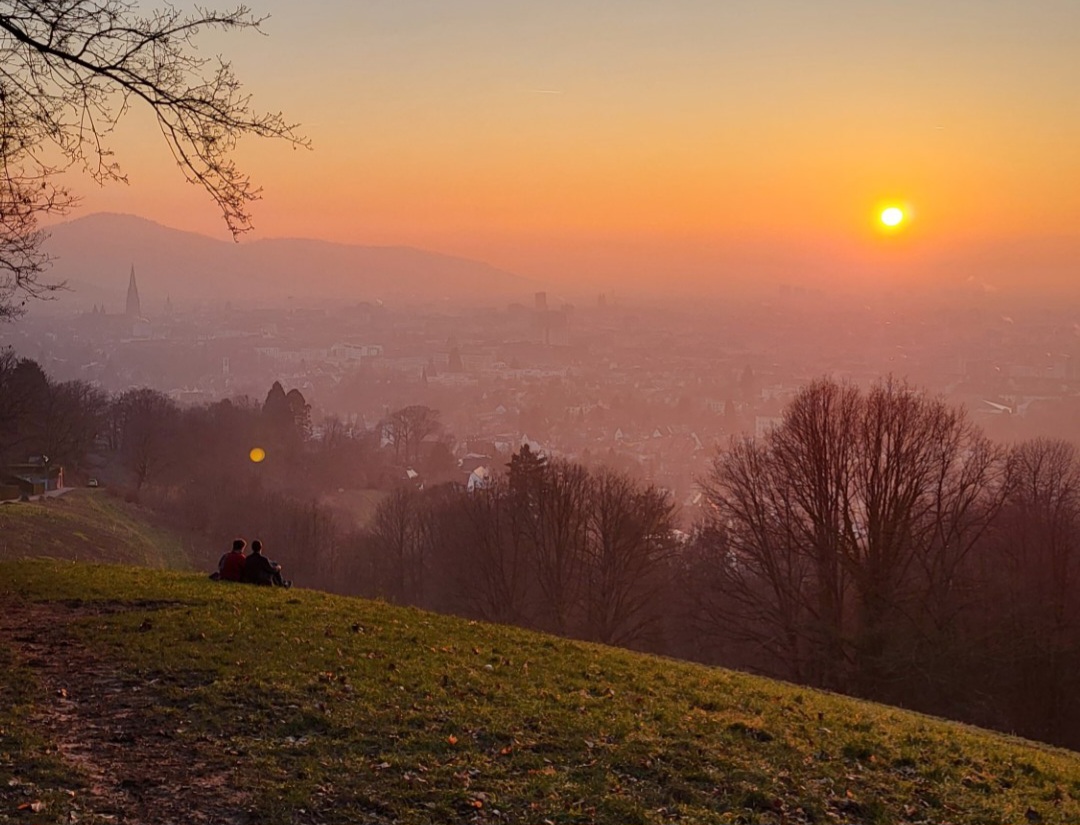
(231, 566)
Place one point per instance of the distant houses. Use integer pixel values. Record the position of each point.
(35, 477)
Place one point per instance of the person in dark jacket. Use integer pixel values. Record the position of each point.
(231, 564)
(258, 569)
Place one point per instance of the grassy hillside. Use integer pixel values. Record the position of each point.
(239, 704)
(87, 525)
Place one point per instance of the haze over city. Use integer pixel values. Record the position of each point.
(717, 362)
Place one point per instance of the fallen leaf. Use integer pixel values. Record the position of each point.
(451, 739)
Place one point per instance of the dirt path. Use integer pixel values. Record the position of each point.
(107, 725)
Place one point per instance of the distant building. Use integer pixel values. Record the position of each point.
(134, 307)
(479, 479)
(33, 478)
(550, 327)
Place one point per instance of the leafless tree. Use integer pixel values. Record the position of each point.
(911, 455)
(303, 537)
(39, 416)
(630, 539)
(554, 526)
(396, 546)
(491, 559)
(69, 72)
(759, 586)
(147, 422)
(967, 490)
(407, 535)
(846, 522)
(74, 414)
(1032, 572)
(406, 428)
(15, 402)
(25, 392)
(335, 435)
(814, 455)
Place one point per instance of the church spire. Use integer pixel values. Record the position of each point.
(134, 310)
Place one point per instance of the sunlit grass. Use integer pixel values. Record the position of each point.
(89, 525)
(350, 710)
(30, 772)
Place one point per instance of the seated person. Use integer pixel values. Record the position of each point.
(258, 569)
(231, 564)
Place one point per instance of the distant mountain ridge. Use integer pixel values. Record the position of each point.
(95, 253)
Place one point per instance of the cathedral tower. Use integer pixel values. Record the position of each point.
(134, 310)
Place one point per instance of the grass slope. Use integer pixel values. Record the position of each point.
(87, 525)
(341, 710)
(26, 760)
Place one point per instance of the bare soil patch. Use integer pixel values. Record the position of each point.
(138, 764)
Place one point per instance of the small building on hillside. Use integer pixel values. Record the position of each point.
(37, 476)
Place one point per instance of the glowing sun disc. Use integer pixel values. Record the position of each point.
(893, 216)
(257, 454)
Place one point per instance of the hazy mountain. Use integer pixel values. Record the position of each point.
(95, 253)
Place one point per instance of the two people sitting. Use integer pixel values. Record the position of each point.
(254, 568)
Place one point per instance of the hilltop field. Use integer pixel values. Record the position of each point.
(88, 525)
(137, 695)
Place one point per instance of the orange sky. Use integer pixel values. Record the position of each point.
(649, 140)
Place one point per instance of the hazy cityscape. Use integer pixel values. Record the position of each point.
(498, 413)
(650, 385)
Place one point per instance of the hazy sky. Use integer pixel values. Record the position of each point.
(649, 139)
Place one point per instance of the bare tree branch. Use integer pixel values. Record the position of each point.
(69, 71)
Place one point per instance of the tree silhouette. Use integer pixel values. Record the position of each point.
(526, 473)
(69, 72)
(148, 426)
(286, 419)
(852, 516)
(299, 412)
(630, 539)
(405, 430)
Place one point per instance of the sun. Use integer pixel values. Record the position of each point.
(257, 454)
(892, 217)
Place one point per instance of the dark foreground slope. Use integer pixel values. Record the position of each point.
(140, 696)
